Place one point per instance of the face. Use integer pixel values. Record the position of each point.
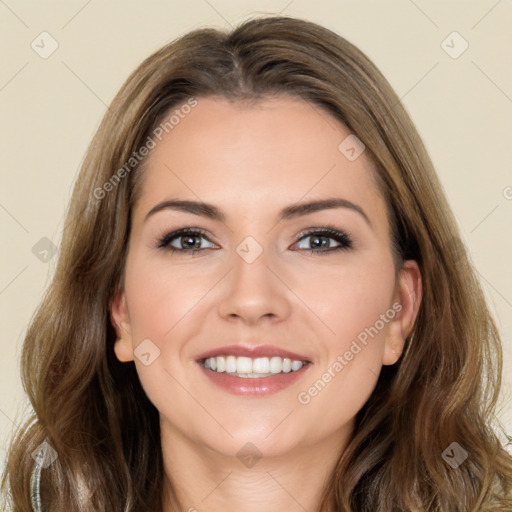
(316, 285)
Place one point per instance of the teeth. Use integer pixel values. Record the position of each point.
(276, 365)
(243, 365)
(252, 368)
(221, 364)
(231, 364)
(296, 365)
(261, 365)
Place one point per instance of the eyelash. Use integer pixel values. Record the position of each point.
(344, 239)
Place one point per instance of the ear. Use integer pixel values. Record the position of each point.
(120, 319)
(407, 300)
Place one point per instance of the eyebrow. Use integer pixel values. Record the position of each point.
(290, 212)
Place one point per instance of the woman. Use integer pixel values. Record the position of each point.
(261, 300)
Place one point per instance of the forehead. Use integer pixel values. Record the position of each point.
(243, 156)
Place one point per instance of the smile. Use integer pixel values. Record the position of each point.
(253, 368)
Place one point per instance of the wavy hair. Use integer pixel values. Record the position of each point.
(92, 410)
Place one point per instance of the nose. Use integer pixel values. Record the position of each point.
(254, 291)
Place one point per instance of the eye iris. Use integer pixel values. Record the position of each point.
(190, 238)
(319, 241)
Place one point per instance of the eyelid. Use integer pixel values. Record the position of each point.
(324, 228)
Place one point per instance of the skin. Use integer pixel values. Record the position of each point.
(252, 161)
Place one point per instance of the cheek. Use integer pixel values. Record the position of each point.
(160, 296)
(350, 299)
(337, 392)
(164, 303)
(355, 303)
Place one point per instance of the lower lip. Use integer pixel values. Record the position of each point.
(254, 386)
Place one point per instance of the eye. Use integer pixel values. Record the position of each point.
(320, 240)
(188, 240)
(183, 240)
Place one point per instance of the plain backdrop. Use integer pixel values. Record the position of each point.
(456, 87)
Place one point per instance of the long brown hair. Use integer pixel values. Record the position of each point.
(92, 410)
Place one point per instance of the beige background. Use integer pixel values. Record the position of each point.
(51, 107)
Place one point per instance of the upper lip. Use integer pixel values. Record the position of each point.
(252, 351)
